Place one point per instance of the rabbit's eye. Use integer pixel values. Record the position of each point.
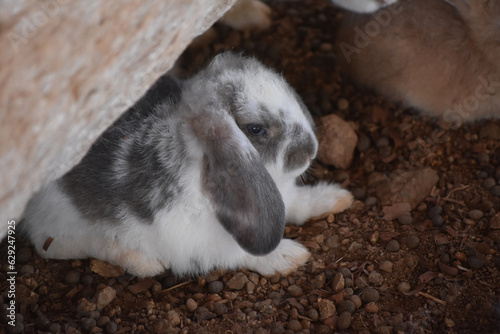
(256, 130)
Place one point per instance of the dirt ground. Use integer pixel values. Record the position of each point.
(377, 268)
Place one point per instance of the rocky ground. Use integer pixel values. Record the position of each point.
(417, 253)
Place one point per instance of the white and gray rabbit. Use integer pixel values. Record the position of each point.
(441, 57)
(363, 6)
(199, 174)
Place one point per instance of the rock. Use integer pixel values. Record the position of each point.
(174, 318)
(327, 309)
(405, 219)
(215, 286)
(338, 282)
(67, 103)
(489, 183)
(407, 187)
(344, 321)
(104, 297)
(237, 282)
(23, 255)
(191, 305)
(84, 307)
(393, 246)
(404, 287)
(105, 269)
(294, 325)
(295, 290)
(412, 241)
(88, 324)
(370, 295)
(313, 314)
(375, 278)
(141, 286)
(371, 307)
(337, 141)
(495, 222)
(111, 327)
(346, 306)
(476, 214)
(386, 266)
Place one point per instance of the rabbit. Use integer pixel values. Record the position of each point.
(200, 174)
(439, 57)
(363, 6)
(248, 15)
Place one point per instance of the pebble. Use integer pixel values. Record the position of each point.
(412, 241)
(327, 309)
(23, 255)
(338, 282)
(55, 328)
(405, 219)
(88, 324)
(481, 174)
(346, 272)
(371, 201)
(358, 193)
(42, 323)
(386, 266)
(72, 277)
(203, 313)
(343, 104)
(475, 262)
(313, 314)
(191, 305)
(437, 220)
(404, 287)
(86, 280)
(27, 269)
(476, 214)
(363, 143)
(294, 325)
(495, 222)
(371, 307)
(370, 295)
(489, 183)
(495, 191)
(360, 282)
(220, 309)
(102, 321)
(356, 299)
(173, 318)
(344, 321)
(346, 306)
(483, 158)
(295, 290)
(237, 282)
(434, 211)
(111, 327)
(393, 246)
(376, 278)
(215, 286)
(382, 142)
(104, 297)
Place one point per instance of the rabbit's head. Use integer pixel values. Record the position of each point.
(256, 134)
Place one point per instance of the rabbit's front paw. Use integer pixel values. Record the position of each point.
(247, 15)
(285, 259)
(135, 263)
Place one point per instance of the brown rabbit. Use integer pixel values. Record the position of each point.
(441, 57)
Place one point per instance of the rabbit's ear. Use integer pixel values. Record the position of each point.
(247, 202)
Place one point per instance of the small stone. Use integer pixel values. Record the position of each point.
(295, 290)
(111, 327)
(102, 321)
(404, 287)
(55, 328)
(220, 309)
(495, 222)
(371, 201)
(276, 328)
(358, 193)
(495, 191)
(360, 282)
(393, 246)
(42, 323)
(294, 325)
(84, 307)
(104, 297)
(333, 241)
(363, 143)
(343, 104)
(434, 211)
(337, 141)
(338, 282)
(481, 174)
(237, 282)
(105, 269)
(27, 269)
(370, 295)
(88, 324)
(174, 318)
(191, 305)
(449, 323)
(460, 256)
(313, 314)
(86, 280)
(405, 219)
(475, 262)
(375, 278)
(371, 307)
(346, 306)
(23, 255)
(412, 241)
(483, 158)
(203, 313)
(326, 309)
(72, 277)
(382, 142)
(356, 299)
(386, 266)
(215, 286)
(344, 321)
(476, 214)
(489, 183)
(437, 220)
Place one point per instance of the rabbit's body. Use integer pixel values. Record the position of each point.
(440, 58)
(179, 182)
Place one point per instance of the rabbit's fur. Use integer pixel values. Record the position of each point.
(441, 57)
(363, 6)
(199, 174)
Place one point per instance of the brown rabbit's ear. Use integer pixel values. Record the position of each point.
(246, 200)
